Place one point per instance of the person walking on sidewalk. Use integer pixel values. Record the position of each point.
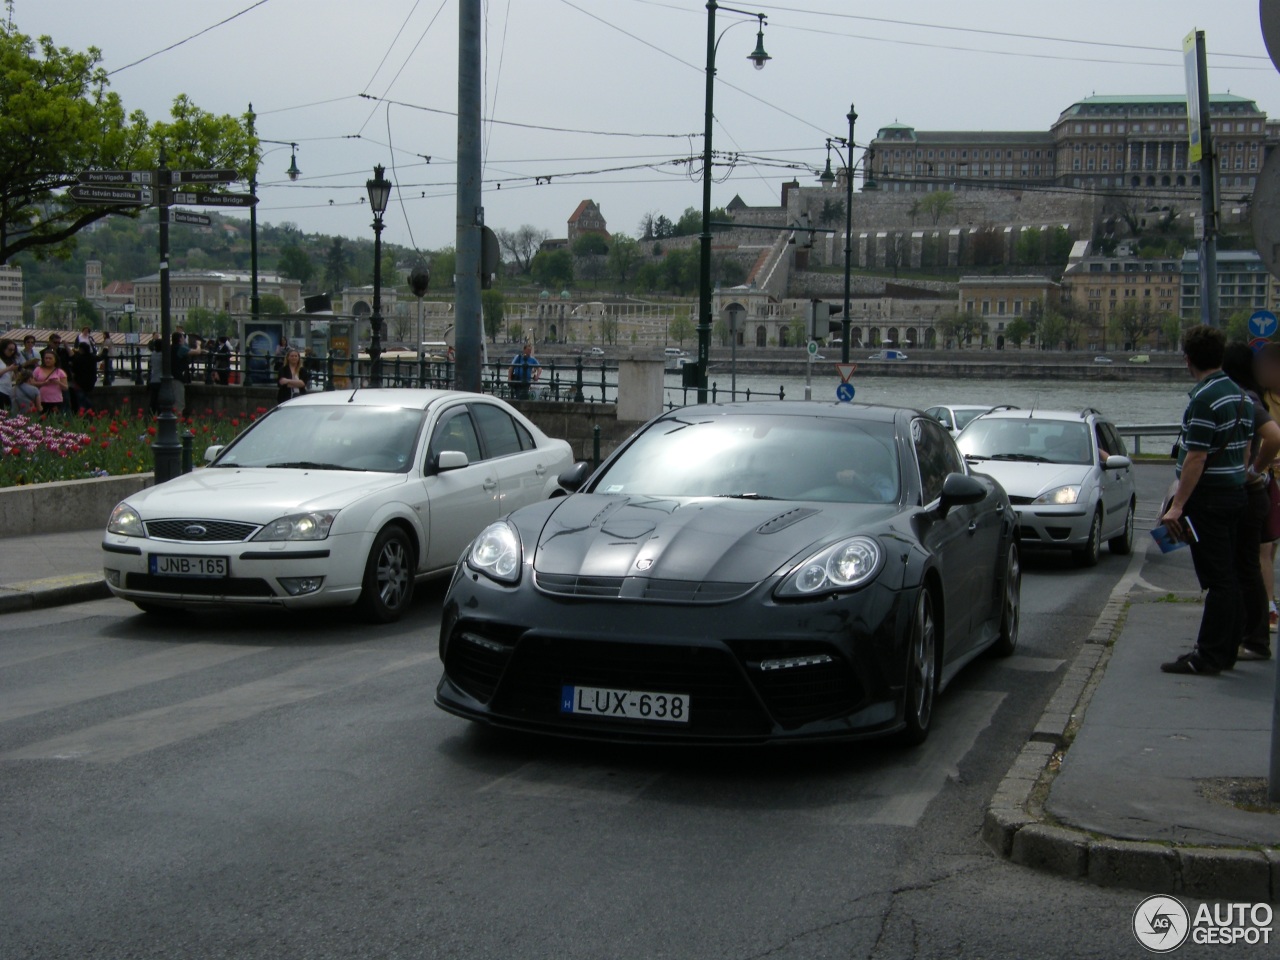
(1205, 508)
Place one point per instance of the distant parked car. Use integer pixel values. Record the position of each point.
(954, 417)
(1140, 358)
(596, 352)
(1102, 360)
(888, 355)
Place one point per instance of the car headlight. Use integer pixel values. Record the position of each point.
(842, 566)
(496, 553)
(1060, 495)
(126, 522)
(299, 526)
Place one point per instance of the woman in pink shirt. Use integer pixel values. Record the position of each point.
(50, 379)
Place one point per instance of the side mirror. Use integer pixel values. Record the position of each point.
(959, 489)
(211, 453)
(573, 478)
(451, 460)
(1117, 462)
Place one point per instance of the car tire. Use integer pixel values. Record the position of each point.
(922, 674)
(1011, 605)
(1122, 545)
(388, 577)
(1087, 556)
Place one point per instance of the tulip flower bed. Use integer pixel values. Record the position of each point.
(52, 447)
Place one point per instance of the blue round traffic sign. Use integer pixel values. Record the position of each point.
(1262, 323)
(844, 392)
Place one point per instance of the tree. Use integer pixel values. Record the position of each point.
(270, 305)
(86, 312)
(444, 264)
(609, 329)
(646, 225)
(1017, 330)
(522, 245)
(59, 119)
(663, 228)
(296, 264)
(897, 252)
(623, 255)
(832, 212)
(335, 265)
(690, 223)
(590, 245)
(937, 204)
(493, 306)
(552, 268)
(720, 330)
(1029, 248)
(680, 329)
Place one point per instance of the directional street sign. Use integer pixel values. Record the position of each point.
(119, 177)
(844, 392)
(182, 216)
(1262, 323)
(105, 195)
(846, 371)
(215, 199)
(204, 176)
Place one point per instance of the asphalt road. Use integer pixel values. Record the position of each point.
(274, 787)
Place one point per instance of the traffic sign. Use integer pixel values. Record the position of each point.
(105, 195)
(204, 176)
(182, 216)
(1262, 323)
(813, 349)
(1257, 343)
(846, 371)
(203, 199)
(844, 392)
(121, 177)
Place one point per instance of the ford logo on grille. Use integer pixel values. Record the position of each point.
(195, 531)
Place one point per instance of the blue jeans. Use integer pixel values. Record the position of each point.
(1216, 512)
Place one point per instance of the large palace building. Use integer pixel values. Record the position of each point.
(1099, 143)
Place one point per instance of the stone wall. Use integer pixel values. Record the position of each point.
(70, 505)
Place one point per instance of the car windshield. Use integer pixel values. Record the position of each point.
(1037, 441)
(964, 416)
(336, 437)
(833, 460)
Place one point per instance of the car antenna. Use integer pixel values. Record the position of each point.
(356, 379)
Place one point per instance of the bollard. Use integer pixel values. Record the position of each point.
(595, 445)
(577, 394)
(188, 438)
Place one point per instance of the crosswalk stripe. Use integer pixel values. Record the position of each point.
(28, 653)
(124, 737)
(121, 676)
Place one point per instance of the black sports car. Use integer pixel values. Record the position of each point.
(739, 573)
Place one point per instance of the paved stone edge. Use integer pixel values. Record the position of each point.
(1017, 830)
(52, 592)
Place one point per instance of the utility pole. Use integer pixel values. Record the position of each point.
(255, 305)
(1200, 133)
(470, 216)
(167, 448)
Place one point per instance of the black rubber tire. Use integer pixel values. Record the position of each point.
(1010, 605)
(1122, 545)
(1087, 556)
(921, 689)
(388, 577)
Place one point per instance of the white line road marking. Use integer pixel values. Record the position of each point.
(29, 652)
(126, 736)
(118, 677)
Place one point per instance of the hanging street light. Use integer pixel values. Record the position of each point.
(379, 193)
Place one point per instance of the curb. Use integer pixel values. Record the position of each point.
(1016, 829)
(52, 592)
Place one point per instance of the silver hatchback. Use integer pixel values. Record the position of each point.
(1068, 476)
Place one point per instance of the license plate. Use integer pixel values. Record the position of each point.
(163, 565)
(625, 704)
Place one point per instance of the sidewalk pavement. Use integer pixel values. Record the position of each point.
(1125, 779)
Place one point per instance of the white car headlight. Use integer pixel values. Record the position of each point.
(126, 522)
(842, 566)
(496, 553)
(299, 526)
(1060, 495)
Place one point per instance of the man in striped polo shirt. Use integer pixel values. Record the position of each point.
(1206, 507)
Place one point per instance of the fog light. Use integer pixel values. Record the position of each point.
(789, 663)
(297, 586)
(113, 576)
(484, 643)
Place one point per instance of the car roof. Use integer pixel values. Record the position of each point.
(407, 397)
(1043, 415)
(792, 408)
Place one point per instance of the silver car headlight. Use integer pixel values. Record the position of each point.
(299, 526)
(126, 522)
(496, 553)
(1060, 495)
(841, 566)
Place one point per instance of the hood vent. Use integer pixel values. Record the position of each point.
(784, 520)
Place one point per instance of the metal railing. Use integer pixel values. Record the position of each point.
(1140, 430)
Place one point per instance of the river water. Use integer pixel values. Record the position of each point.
(1121, 402)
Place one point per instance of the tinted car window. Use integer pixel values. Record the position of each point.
(941, 414)
(932, 457)
(456, 432)
(1034, 440)
(526, 438)
(1112, 440)
(498, 430)
(964, 416)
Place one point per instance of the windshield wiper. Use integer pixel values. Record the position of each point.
(746, 496)
(311, 465)
(975, 456)
(1021, 457)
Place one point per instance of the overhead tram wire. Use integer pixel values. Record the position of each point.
(407, 58)
(199, 33)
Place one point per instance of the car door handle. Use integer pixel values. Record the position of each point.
(973, 526)
(539, 470)
(490, 483)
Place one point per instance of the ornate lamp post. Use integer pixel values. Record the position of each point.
(758, 58)
(379, 193)
(292, 173)
(827, 179)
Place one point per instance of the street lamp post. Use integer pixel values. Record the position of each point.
(735, 318)
(379, 193)
(292, 173)
(758, 58)
(827, 179)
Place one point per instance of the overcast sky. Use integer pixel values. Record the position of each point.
(623, 80)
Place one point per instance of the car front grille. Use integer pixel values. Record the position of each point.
(1020, 501)
(200, 586)
(476, 657)
(800, 682)
(640, 588)
(201, 531)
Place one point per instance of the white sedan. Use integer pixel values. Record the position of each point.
(332, 499)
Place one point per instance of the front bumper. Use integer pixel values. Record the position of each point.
(755, 670)
(1045, 525)
(254, 574)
